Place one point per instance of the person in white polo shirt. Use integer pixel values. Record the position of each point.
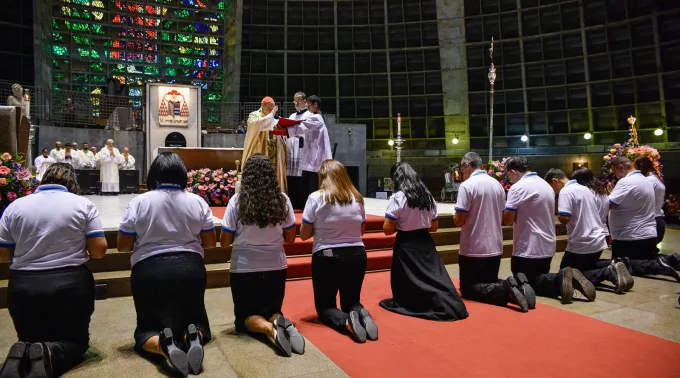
(421, 286)
(530, 209)
(167, 231)
(646, 167)
(335, 216)
(294, 146)
(258, 221)
(481, 200)
(631, 221)
(586, 234)
(51, 292)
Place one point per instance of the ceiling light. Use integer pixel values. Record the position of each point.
(587, 135)
(390, 142)
(524, 138)
(658, 132)
(455, 140)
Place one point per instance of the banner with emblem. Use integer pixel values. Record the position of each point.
(173, 109)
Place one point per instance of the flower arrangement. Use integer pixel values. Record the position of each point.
(16, 181)
(497, 170)
(631, 153)
(214, 186)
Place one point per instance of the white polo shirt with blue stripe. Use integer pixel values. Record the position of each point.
(633, 215)
(166, 220)
(585, 231)
(256, 249)
(335, 226)
(48, 229)
(407, 218)
(533, 233)
(482, 198)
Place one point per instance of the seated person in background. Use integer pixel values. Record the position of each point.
(530, 209)
(421, 286)
(335, 216)
(258, 220)
(51, 291)
(479, 211)
(578, 209)
(167, 230)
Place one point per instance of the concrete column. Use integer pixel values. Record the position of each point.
(232, 53)
(453, 58)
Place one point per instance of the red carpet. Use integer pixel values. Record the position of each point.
(492, 342)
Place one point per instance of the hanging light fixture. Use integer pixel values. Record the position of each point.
(658, 132)
(524, 138)
(587, 135)
(455, 139)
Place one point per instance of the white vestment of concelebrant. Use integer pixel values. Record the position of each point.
(87, 160)
(41, 164)
(108, 172)
(317, 144)
(128, 164)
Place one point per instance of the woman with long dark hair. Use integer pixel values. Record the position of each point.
(421, 286)
(646, 167)
(167, 231)
(51, 292)
(258, 220)
(586, 177)
(335, 216)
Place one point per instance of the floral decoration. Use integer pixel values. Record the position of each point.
(16, 181)
(631, 153)
(497, 170)
(214, 186)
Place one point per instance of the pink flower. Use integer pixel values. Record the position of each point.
(4, 170)
(6, 156)
(11, 196)
(3, 181)
(613, 151)
(202, 193)
(617, 145)
(230, 180)
(607, 158)
(499, 174)
(201, 179)
(221, 186)
(225, 198)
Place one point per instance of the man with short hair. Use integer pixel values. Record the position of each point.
(127, 161)
(586, 233)
(57, 151)
(632, 221)
(70, 157)
(295, 144)
(87, 157)
(531, 208)
(481, 200)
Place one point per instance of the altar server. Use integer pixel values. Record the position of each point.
(631, 221)
(48, 237)
(646, 167)
(57, 151)
(260, 123)
(167, 230)
(578, 209)
(127, 161)
(295, 144)
(70, 157)
(258, 221)
(109, 158)
(481, 200)
(87, 158)
(530, 209)
(41, 163)
(421, 286)
(317, 145)
(336, 217)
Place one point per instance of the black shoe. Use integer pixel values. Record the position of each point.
(666, 269)
(567, 289)
(40, 362)
(368, 324)
(297, 341)
(516, 295)
(175, 356)
(355, 328)
(584, 286)
(673, 260)
(281, 340)
(626, 262)
(195, 350)
(527, 290)
(15, 366)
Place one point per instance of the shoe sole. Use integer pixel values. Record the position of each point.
(15, 357)
(297, 341)
(527, 290)
(281, 341)
(358, 331)
(370, 326)
(516, 295)
(668, 270)
(584, 286)
(178, 359)
(625, 280)
(567, 292)
(36, 354)
(195, 353)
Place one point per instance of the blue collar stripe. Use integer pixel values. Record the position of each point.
(169, 186)
(477, 173)
(571, 182)
(530, 174)
(51, 187)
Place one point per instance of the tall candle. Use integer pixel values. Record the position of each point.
(398, 123)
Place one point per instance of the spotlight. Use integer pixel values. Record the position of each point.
(390, 142)
(658, 132)
(587, 135)
(455, 140)
(524, 138)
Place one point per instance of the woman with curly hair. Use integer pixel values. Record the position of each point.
(421, 286)
(258, 220)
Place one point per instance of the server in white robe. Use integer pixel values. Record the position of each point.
(87, 158)
(317, 146)
(41, 163)
(69, 156)
(109, 158)
(127, 161)
(294, 146)
(56, 151)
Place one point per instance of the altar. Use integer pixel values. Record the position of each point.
(199, 158)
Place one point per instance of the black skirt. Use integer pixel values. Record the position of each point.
(257, 293)
(421, 286)
(169, 291)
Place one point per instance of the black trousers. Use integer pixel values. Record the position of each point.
(168, 291)
(54, 307)
(660, 229)
(310, 184)
(257, 294)
(295, 192)
(342, 272)
(544, 283)
(479, 280)
(593, 268)
(643, 255)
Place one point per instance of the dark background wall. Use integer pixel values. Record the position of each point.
(16, 42)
